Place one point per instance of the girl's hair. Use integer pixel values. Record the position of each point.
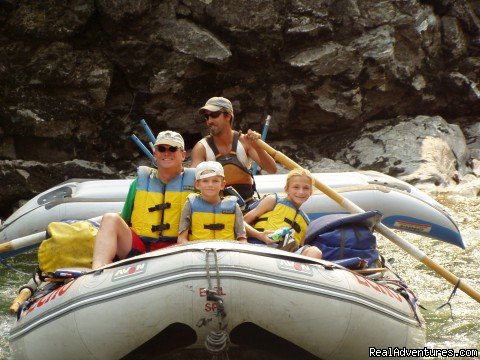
(299, 172)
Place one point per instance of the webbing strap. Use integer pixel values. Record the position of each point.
(233, 150)
(295, 226)
(214, 226)
(160, 227)
(159, 207)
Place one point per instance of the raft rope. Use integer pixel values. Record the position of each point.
(454, 292)
(217, 341)
(10, 267)
(402, 288)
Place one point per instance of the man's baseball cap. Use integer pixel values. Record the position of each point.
(216, 104)
(171, 138)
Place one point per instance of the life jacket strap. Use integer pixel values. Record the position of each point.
(214, 226)
(160, 227)
(159, 207)
(295, 226)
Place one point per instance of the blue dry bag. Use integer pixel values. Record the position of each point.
(343, 236)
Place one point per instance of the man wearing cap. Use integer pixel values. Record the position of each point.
(151, 213)
(207, 216)
(233, 150)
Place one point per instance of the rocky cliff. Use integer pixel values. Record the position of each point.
(390, 85)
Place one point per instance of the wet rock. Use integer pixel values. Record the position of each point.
(49, 20)
(78, 76)
(421, 150)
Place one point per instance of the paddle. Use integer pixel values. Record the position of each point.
(382, 229)
(264, 136)
(12, 247)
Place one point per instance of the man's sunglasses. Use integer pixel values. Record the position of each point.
(213, 115)
(172, 149)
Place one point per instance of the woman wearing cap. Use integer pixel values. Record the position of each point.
(233, 150)
(151, 213)
(208, 216)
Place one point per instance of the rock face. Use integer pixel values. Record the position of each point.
(376, 84)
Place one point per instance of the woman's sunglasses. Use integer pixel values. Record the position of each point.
(172, 149)
(213, 115)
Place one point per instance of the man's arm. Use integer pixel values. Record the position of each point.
(256, 153)
(198, 155)
(127, 210)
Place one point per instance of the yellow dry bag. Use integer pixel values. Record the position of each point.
(68, 245)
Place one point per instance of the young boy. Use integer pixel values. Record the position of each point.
(207, 216)
(275, 212)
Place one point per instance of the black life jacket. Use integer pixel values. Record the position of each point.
(236, 174)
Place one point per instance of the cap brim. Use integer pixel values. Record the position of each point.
(208, 175)
(168, 142)
(211, 108)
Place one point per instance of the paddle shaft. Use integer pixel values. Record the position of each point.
(20, 243)
(382, 229)
(264, 136)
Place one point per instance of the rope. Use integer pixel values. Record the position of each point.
(217, 344)
(217, 341)
(454, 291)
(404, 290)
(10, 267)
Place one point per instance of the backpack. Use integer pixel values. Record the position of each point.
(343, 236)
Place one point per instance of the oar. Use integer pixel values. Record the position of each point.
(264, 136)
(11, 247)
(144, 149)
(147, 130)
(382, 229)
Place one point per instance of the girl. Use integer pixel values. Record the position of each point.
(275, 212)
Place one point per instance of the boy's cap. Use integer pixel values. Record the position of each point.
(170, 138)
(208, 169)
(216, 104)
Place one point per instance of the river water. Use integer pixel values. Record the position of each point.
(455, 329)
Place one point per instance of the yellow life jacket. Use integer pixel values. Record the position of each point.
(68, 245)
(157, 206)
(215, 222)
(284, 214)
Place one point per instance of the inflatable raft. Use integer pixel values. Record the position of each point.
(403, 206)
(213, 298)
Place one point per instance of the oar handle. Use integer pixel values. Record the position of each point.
(6, 247)
(22, 296)
(147, 130)
(382, 229)
(142, 147)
